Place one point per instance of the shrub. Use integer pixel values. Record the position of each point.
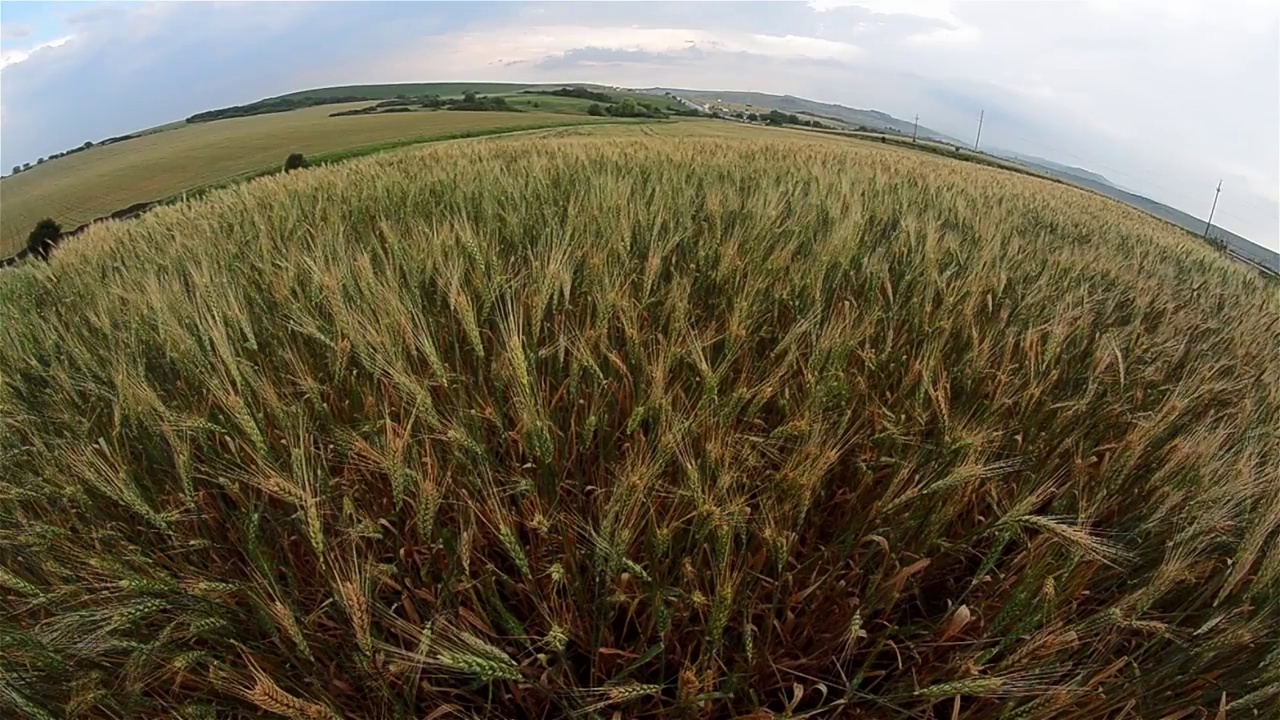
(575, 92)
(43, 237)
(295, 161)
(471, 101)
(596, 109)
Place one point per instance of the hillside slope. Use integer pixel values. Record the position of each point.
(1254, 253)
(1043, 163)
(92, 184)
(1080, 177)
(873, 119)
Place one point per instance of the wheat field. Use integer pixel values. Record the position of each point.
(680, 421)
(83, 187)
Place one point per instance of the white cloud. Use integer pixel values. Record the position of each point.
(933, 9)
(14, 31)
(516, 44)
(946, 36)
(947, 28)
(13, 57)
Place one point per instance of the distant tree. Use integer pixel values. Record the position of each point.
(536, 104)
(43, 237)
(753, 117)
(17, 169)
(469, 97)
(626, 108)
(575, 92)
(40, 161)
(87, 144)
(26, 166)
(295, 161)
(596, 109)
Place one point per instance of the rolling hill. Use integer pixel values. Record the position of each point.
(873, 119)
(853, 118)
(1080, 177)
(1243, 247)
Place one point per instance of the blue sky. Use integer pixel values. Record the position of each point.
(1164, 97)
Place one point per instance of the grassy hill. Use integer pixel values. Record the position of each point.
(1080, 177)
(390, 90)
(1254, 253)
(180, 157)
(97, 182)
(1059, 168)
(689, 420)
(512, 91)
(873, 119)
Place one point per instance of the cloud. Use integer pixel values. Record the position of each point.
(14, 31)
(13, 57)
(577, 58)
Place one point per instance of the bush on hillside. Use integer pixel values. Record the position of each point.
(471, 101)
(43, 237)
(630, 108)
(596, 109)
(295, 161)
(575, 92)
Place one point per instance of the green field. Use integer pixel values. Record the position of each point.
(548, 103)
(512, 91)
(387, 91)
(85, 186)
(673, 420)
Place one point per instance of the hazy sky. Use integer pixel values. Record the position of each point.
(1164, 97)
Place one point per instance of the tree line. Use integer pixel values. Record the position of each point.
(403, 103)
(272, 105)
(575, 92)
(79, 148)
(627, 108)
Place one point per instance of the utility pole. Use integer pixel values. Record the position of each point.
(915, 127)
(975, 140)
(1209, 224)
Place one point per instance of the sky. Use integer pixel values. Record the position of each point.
(1163, 97)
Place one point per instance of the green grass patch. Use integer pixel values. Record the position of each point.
(79, 188)
(388, 91)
